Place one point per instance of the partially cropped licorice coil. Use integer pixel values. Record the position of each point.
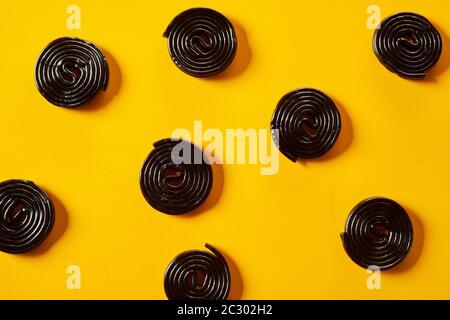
(305, 124)
(408, 45)
(176, 186)
(202, 42)
(70, 72)
(26, 216)
(197, 275)
(378, 233)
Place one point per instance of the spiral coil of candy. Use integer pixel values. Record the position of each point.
(197, 275)
(70, 72)
(26, 216)
(378, 233)
(202, 42)
(408, 45)
(305, 124)
(175, 188)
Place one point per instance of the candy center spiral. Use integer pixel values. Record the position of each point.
(172, 175)
(72, 70)
(16, 214)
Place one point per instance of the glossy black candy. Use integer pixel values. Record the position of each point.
(26, 216)
(407, 44)
(70, 72)
(305, 124)
(175, 187)
(202, 42)
(379, 233)
(197, 275)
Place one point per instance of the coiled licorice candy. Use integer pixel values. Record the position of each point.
(378, 233)
(198, 275)
(26, 216)
(306, 124)
(176, 187)
(407, 44)
(70, 72)
(202, 42)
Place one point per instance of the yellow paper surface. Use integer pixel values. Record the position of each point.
(279, 233)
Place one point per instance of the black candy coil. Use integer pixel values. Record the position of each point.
(175, 188)
(379, 233)
(197, 275)
(305, 124)
(202, 42)
(408, 45)
(70, 72)
(26, 216)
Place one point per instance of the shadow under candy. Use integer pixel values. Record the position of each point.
(343, 142)
(214, 195)
(241, 60)
(104, 97)
(444, 60)
(416, 248)
(237, 286)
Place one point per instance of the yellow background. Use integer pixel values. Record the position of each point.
(280, 233)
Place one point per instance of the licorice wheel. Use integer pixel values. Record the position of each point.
(70, 72)
(408, 45)
(198, 275)
(305, 124)
(176, 187)
(26, 216)
(379, 233)
(202, 42)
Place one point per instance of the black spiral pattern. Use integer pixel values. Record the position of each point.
(305, 124)
(202, 42)
(175, 188)
(70, 72)
(408, 45)
(197, 275)
(26, 216)
(378, 232)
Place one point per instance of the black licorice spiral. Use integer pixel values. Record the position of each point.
(379, 233)
(27, 216)
(172, 187)
(70, 72)
(197, 275)
(305, 124)
(202, 42)
(408, 45)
